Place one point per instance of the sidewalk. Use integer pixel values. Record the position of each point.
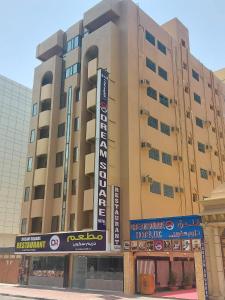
(64, 294)
(41, 293)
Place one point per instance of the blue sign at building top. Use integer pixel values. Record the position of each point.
(183, 227)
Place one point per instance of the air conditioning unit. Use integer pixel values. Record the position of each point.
(175, 129)
(219, 178)
(208, 147)
(144, 112)
(177, 158)
(187, 89)
(211, 173)
(207, 123)
(216, 153)
(145, 82)
(173, 102)
(179, 189)
(185, 66)
(145, 145)
(146, 179)
(192, 168)
(195, 197)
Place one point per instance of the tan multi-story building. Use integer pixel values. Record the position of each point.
(164, 145)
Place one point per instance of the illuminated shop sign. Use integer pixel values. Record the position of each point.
(101, 151)
(115, 218)
(62, 242)
(185, 227)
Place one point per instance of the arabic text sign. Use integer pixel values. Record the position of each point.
(68, 241)
(184, 227)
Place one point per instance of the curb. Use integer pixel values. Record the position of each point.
(25, 297)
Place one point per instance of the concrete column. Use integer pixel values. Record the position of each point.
(219, 262)
(129, 273)
(199, 275)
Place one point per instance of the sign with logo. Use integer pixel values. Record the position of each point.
(183, 228)
(62, 242)
(115, 232)
(101, 151)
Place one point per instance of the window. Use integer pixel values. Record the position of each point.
(57, 190)
(44, 133)
(150, 38)
(59, 159)
(34, 109)
(161, 47)
(199, 122)
(150, 64)
(32, 136)
(162, 73)
(163, 100)
(29, 164)
(36, 225)
(76, 124)
(62, 103)
(204, 173)
(155, 187)
(55, 224)
(167, 158)
(61, 130)
(168, 191)
(26, 194)
(74, 187)
(75, 154)
(165, 128)
(152, 93)
(77, 95)
(152, 122)
(197, 98)
(39, 192)
(72, 70)
(45, 105)
(41, 161)
(73, 43)
(72, 222)
(23, 227)
(195, 75)
(154, 154)
(201, 147)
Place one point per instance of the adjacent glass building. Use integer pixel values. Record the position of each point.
(15, 111)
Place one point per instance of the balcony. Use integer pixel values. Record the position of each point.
(46, 92)
(40, 176)
(42, 146)
(91, 100)
(92, 69)
(90, 130)
(88, 199)
(89, 163)
(37, 208)
(44, 118)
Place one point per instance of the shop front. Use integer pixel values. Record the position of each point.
(168, 254)
(71, 259)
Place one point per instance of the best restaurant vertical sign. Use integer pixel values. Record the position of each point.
(101, 151)
(115, 232)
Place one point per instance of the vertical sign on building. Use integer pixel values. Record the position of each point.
(204, 269)
(115, 230)
(101, 151)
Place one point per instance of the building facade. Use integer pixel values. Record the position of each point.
(161, 133)
(15, 101)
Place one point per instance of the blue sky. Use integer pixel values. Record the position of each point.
(25, 23)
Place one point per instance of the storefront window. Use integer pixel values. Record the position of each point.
(47, 270)
(94, 272)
